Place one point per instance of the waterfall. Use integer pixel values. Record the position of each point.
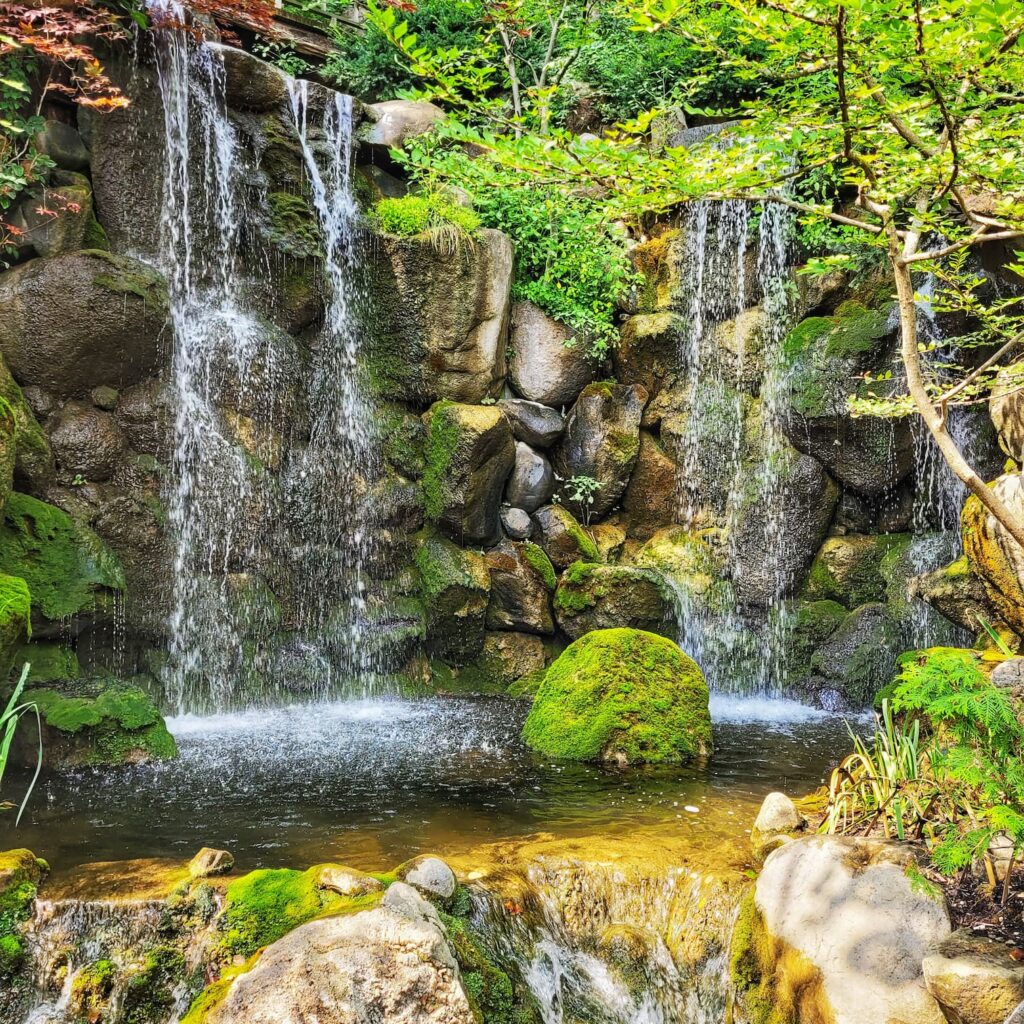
(714, 476)
(274, 458)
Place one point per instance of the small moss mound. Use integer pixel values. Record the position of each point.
(621, 695)
(68, 569)
(539, 561)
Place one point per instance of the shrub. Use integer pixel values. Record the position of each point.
(412, 215)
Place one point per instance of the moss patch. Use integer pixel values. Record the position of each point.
(68, 569)
(15, 622)
(621, 694)
(20, 875)
(541, 564)
(293, 227)
(50, 663)
(849, 569)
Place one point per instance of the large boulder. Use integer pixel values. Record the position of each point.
(532, 482)
(974, 979)
(824, 363)
(848, 569)
(394, 122)
(469, 455)
(593, 597)
(454, 587)
(625, 696)
(250, 83)
(63, 223)
(547, 364)
(993, 555)
(522, 579)
(79, 320)
(601, 442)
(389, 963)
(857, 659)
(440, 318)
(562, 538)
(959, 594)
(1006, 406)
(86, 441)
(836, 931)
(33, 460)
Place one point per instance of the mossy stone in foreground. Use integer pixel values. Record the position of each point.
(20, 874)
(622, 695)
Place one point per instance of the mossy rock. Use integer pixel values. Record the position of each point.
(857, 659)
(806, 625)
(68, 569)
(49, 663)
(96, 722)
(33, 460)
(848, 569)
(622, 695)
(20, 874)
(292, 226)
(593, 597)
(15, 623)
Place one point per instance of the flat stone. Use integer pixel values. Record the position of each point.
(974, 979)
(1009, 674)
(209, 862)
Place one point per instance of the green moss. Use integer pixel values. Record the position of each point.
(621, 693)
(95, 236)
(105, 723)
(403, 439)
(528, 685)
(474, 679)
(15, 622)
(442, 443)
(20, 874)
(50, 662)
(575, 594)
(92, 986)
(213, 995)
(849, 569)
(443, 566)
(129, 277)
(68, 569)
(413, 214)
(540, 562)
(293, 228)
(806, 627)
(150, 993)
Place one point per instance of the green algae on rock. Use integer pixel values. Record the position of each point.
(622, 695)
(15, 621)
(20, 874)
(68, 569)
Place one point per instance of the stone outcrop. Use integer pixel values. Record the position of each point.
(593, 596)
(522, 579)
(547, 364)
(454, 587)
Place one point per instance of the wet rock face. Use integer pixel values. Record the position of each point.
(651, 500)
(79, 320)
(86, 441)
(391, 963)
(532, 482)
(392, 123)
(601, 442)
(648, 352)
(535, 424)
(846, 914)
(250, 83)
(543, 367)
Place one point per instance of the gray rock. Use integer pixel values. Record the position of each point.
(974, 979)
(392, 963)
(104, 398)
(431, 876)
(1009, 674)
(61, 223)
(516, 523)
(538, 425)
(209, 862)
(78, 320)
(63, 145)
(859, 657)
(508, 657)
(1006, 407)
(393, 122)
(777, 814)
(347, 881)
(850, 907)
(250, 83)
(601, 441)
(520, 596)
(86, 441)
(542, 367)
(532, 482)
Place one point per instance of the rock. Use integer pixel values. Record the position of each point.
(431, 876)
(509, 657)
(824, 357)
(532, 482)
(610, 540)
(15, 622)
(68, 223)
(105, 398)
(1009, 674)
(522, 579)
(563, 539)
(659, 262)
(625, 696)
(774, 536)
(78, 320)
(516, 523)
(848, 569)
(542, 366)
(68, 569)
(651, 500)
(601, 441)
(958, 593)
(1006, 407)
(648, 352)
(63, 145)
(993, 555)
(391, 963)
(440, 318)
(469, 455)
(777, 814)
(21, 872)
(86, 441)
(804, 626)
(209, 862)
(602, 596)
(394, 122)
(250, 83)
(847, 923)
(858, 658)
(347, 881)
(736, 349)
(537, 425)
(455, 587)
(974, 979)
(33, 460)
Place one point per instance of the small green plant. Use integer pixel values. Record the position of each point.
(448, 224)
(9, 721)
(282, 57)
(581, 490)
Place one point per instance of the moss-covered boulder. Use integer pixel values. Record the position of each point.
(469, 455)
(102, 722)
(648, 352)
(1006, 406)
(960, 595)
(522, 579)
(82, 319)
(68, 569)
(563, 540)
(454, 586)
(805, 626)
(824, 360)
(848, 569)
(601, 443)
(33, 460)
(15, 624)
(622, 695)
(592, 596)
(20, 874)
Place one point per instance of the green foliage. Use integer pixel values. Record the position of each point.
(581, 491)
(10, 718)
(448, 223)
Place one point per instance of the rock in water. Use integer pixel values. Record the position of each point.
(389, 964)
(431, 876)
(209, 862)
(625, 696)
(846, 923)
